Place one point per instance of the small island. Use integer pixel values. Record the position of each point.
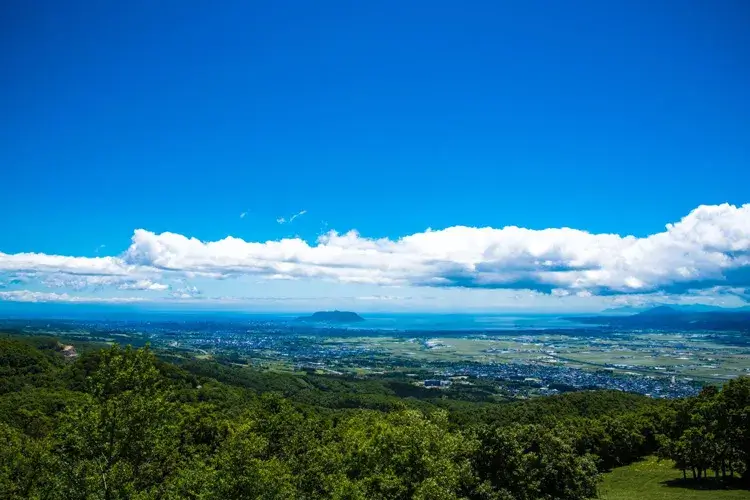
(332, 317)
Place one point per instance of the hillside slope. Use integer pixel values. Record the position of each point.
(651, 479)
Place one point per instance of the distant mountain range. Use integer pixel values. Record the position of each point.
(675, 307)
(677, 317)
(332, 317)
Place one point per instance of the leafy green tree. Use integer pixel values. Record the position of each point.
(123, 440)
(119, 423)
(243, 471)
(735, 402)
(398, 456)
(530, 462)
(20, 461)
(711, 431)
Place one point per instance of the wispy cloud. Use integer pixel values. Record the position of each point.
(243, 215)
(388, 298)
(289, 220)
(61, 280)
(186, 292)
(29, 296)
(323, 228)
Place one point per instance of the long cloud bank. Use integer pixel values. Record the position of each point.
(708, 247)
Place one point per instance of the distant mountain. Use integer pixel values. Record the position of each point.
(660, 311)
(332, 317)
(678, 318)
(625, 310)
(708, 308)
(683, 308)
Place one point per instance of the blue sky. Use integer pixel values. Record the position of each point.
(178, 117)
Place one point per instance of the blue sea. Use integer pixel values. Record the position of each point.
(463, 322)
(373, 321)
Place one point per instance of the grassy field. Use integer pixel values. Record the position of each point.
(655, 480)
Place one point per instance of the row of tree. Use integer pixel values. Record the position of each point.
(711, 432)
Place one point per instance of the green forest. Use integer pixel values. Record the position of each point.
(122, 422)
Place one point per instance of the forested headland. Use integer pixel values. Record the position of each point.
(119, 422)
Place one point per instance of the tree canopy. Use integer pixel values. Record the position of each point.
(121, 423)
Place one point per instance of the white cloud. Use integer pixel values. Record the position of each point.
(19, 278)
(143, 285)
(289, 220)
(705, 246)
(30, 296)
(389, 298)
(709, 247)
(39, 262)
(186, 292)
(192, 290)
(61, 280)
(718, 296)
(75, 282)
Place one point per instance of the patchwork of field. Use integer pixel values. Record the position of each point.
(686, 356)
(557, 358)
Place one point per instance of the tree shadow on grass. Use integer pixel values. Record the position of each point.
(707, 484)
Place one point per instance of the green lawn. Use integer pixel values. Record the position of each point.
(649, 479)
